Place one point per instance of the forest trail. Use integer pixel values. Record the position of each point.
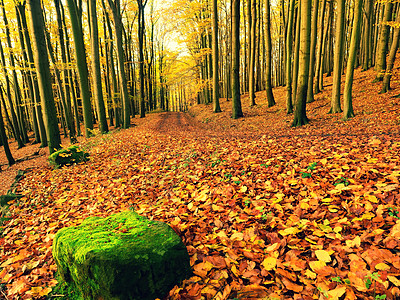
(175, 123)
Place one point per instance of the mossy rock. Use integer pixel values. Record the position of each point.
(68, 156)
(123, 256)
(4, 199)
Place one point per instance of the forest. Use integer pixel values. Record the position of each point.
(264, 132)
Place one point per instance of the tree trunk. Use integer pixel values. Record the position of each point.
(300, 116)
(66, 87)
(33, 78)
(268, 69)
(115, 8)
(14, 123)
(367, 36)
(216, 106)
(237, 105)
(319, 56)
(310, 91)
(26, 72)
(289, 47)
(80, 55)
(141, 28)
(354, 45)
(44, 76)
(17, 92)
(296, 57)
(380, 63)
(67, 117)
(252, 52)
(94, 44)
(248, 45)
(392, 57)
(338, 58)
(3, 136)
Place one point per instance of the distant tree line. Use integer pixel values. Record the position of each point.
(289, 43)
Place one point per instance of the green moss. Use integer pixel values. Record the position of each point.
(4, 199)
(124, 256)
(67, 156)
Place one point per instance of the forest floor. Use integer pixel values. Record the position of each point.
(266, 211)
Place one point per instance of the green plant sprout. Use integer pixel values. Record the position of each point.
(305, 175)
(312, 166)
(393, 213)
(338, 279)
(372, 279)
(342, 180)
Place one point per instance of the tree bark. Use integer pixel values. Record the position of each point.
(44, 76)
(380, 63)
(338, 58)
(252, 52)
(66, 87)
(14, 123)
(80, 55)
(26, 72)
(141, 7)
(95, 57)
(115, 8)
(17, 92)
(289, 47)
(319, 56)
(314, 25)
(3, 136)
(216, 106)
(300, 116)
(268, 69)
(391, 58)
(296, 57)
(354, 45)
(237, 105)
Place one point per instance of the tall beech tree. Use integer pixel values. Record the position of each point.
(3, 136)
(141, 28)
(268, 72)
(314, 21)
(252, 45)
(323, 29)
(26, 75)
(66, 113)
(300, 116)
(392, 57)
(383, 43)
(96, 73)
(16, 88)
(71, 74)
(75, 14)
(14, 120)
(338, 59)
(236, 102)
(289, 47)
(118, 26)
(216, 106)
(21, 16)
(354, 45)
(65, 84)
(44, 77)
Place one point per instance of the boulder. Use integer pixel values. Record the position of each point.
(123, 256)
(68, 156)
(4, 199)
